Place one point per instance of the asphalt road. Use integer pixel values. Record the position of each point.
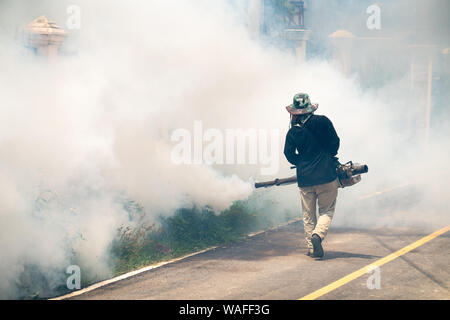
(274, 266)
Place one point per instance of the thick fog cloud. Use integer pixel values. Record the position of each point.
(79, 134)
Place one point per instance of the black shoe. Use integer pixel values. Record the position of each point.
(317, 246)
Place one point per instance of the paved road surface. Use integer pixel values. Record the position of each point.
(273, 266)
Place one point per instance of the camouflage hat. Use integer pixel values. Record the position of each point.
(302, 105)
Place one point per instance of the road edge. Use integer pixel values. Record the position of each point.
(130, 274)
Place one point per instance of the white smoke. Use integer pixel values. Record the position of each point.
(78, 133)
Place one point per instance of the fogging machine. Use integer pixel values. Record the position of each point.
(348, 174)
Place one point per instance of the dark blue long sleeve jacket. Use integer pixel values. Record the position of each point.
(312, 148)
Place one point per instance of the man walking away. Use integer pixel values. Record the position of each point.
(311, 145)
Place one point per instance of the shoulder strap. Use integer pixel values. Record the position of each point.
(312, 133)
(303, 125)
(336, 162)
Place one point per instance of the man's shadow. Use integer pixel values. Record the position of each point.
(329, 255)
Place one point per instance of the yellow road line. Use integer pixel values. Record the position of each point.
(378, 263)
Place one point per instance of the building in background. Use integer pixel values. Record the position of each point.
(336, 30)
(283, 25)
(44, 38)
(379, 42)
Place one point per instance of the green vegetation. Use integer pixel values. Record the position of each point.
(190, 230)
(142, 243)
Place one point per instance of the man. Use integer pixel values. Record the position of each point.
(311, 145)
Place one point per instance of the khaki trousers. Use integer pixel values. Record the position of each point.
(325, 195)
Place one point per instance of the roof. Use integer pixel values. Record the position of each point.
(43, 25)
(341, 34)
